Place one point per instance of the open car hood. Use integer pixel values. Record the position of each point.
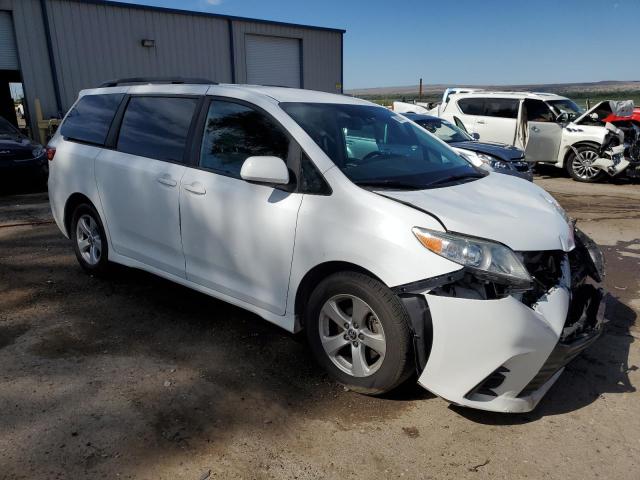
(497, 207)
(619, 108)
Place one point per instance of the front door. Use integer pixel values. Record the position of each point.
(238, 237)
(545, 134)
(139, 181)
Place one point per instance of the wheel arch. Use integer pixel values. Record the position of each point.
(583, 143)
(71, 204)
(314, 276)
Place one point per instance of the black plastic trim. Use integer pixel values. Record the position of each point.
(421, 327)
(429, 283)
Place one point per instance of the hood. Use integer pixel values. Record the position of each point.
(619, 108)
(15, 142)
(498, 150)
(497, 207)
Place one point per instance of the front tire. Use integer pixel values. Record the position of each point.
(89, 240)
(359, 333)
(579, 164)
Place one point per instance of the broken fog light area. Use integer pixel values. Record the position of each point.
(489, 384)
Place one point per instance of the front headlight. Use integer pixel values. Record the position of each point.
(489, 260)
(38, 152)
(482, 159)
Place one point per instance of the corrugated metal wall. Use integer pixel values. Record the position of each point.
(94, 42)
(32, 51)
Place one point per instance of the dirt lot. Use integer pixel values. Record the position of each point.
(136, 377)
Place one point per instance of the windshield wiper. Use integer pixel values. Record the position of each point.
(455, 178)
(394, 184)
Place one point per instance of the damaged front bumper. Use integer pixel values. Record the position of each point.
(504, 354)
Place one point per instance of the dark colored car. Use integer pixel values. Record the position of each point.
(19, 154)
(501, 158)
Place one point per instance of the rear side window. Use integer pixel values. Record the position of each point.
(90, 119)
(234, 132)
(157, 127)
(472, 106)
(501, 107)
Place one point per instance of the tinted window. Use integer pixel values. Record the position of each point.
(311, 180)
(538, 111)
(234, 132)
(90, 119)
(157, 127)
(501, 107)
(472, 106)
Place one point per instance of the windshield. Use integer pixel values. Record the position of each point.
(375, 147)
(7, 129)
(565, 106)
(445, 131)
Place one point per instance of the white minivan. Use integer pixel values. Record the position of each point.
(334, 215)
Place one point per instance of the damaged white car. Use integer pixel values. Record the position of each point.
(336, 216)
(550, 128)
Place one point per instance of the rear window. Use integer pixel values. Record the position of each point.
(472, 106)
(90, 119)
(157, 127)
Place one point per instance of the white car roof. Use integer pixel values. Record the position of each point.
(507, 94)
(275, 94)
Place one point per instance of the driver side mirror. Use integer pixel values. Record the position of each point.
(475, 135)
(562, 118)
(265, 170)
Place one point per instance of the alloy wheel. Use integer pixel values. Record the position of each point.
(352, 335)
(581, 164)
(89, 239)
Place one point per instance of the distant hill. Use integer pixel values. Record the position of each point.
(431, 89)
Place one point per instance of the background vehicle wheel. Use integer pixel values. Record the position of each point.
(359, 332)
(89, 240)
(579, 165)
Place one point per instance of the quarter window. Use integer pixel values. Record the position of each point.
(501, 107)
(90, 119)
(472, 106)
(235, 132)
(157, 127)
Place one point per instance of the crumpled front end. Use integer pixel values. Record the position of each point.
(501, 351)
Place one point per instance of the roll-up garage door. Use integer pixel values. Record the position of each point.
(273, 60)
(8, 51)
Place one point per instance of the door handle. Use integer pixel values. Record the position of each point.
(196, 188)
(480, 122)
(535, 129)
(167, 180)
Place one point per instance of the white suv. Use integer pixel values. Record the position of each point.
(334, 215)
(550, 128)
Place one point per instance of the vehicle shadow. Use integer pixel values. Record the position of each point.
(601, 370)
(14, 183)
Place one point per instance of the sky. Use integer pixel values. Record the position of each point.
(395, 42)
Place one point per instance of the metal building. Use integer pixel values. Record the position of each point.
(57, 47)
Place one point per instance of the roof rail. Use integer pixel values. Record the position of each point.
(170, 80)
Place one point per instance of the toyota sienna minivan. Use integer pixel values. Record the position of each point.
(333, 215)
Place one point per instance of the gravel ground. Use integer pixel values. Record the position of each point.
(135, 377)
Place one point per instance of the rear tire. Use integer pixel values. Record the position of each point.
(579, 165)
(359, 332)
(89, 240)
